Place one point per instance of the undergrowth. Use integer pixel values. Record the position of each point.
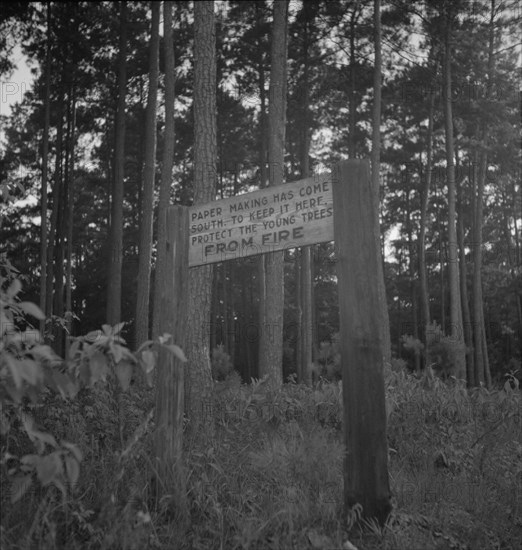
(270, 476)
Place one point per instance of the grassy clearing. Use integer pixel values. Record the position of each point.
(272, 475)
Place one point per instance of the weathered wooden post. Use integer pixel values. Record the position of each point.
(169, 383)
(366, 461)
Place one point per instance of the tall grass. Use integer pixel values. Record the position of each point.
(271, 476)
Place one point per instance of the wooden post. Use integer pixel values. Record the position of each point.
(366, 461)
(172, 301)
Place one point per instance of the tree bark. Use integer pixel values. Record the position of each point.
(466, 314)
(271, 329)
(442, 288)
(305, 298)
(454, 284)
(376, 162)
(263, 172)
(173, 306)
(351, 97)
(116, 230)
(199, 375)
(54, 266)
(55, 204)
(366, 479)
(149, 169)
(70, 223)
(478, 312)
(425, 197)
(482, 371)
(45, 170)
(62, 228)
(413, 285)
(168, 154)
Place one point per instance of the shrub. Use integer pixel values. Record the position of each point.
(31, 371)
(221, 363)
(442, 351)
(414, 347)
(398, 365)
(329, 360)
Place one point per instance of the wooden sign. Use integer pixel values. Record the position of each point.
(276, 218)
(291, 215)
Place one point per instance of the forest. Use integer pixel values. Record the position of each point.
(133, 418)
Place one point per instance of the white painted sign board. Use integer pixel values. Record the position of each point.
(275, 218)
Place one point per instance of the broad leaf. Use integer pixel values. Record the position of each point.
(29, 461)
(43, 352)
(72, 469)
(177, 351)
(75, 450)
(93, 336)
(73, 350)
(31, 371)
(85, 372)
(14, 288)
(37, 435)
(149, 361)
(48, 468)
(145, 344)
(116, 352)
(124, 373)
(116, 329)
(98, 366)
(15, 372)
(32, 309)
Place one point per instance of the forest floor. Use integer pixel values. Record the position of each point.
(269, 474)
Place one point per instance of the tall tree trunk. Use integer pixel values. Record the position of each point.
(168, 153)
(425, 197)
(230, 313)
(454, 284)
(225, 324)
(143, 291)
(442, 287)
(262, 96)
(171, 491)
(481, 353)
(263, 172)
(70, 222)
(271, 329)
(413, 285)
(478, 312)
(59, 252)
(63, 215)
(351, 95)
(518, 298)
(199, 374)
(116, 230)
(518, 256)
(299, 320)
(45, 170)
(305, 322)
(52, 272)
(376, 162)
(466, 314)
